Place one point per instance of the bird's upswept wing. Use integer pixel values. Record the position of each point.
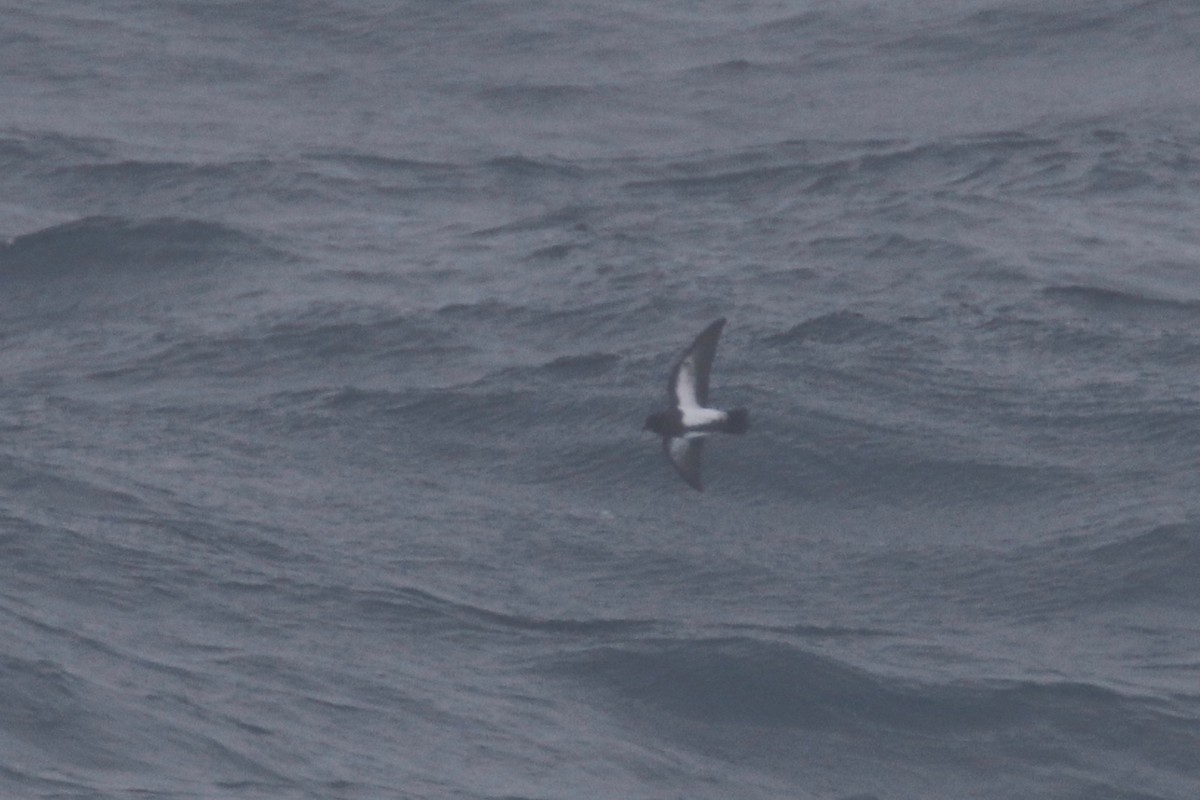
(684, 454)
(688, 385)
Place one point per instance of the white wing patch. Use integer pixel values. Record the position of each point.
(685, 386)
(685, 453)
(694, 416)
(685, 390)
(679, 449)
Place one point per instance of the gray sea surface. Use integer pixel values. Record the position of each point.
(328, 332)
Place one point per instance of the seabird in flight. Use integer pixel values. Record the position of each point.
(684, 426)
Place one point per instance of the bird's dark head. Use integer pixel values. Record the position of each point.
(665, 423)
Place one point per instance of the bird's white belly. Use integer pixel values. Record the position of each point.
(701, 416)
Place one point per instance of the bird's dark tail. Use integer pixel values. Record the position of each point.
(737, 421)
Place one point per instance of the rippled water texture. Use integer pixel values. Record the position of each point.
(329, 329)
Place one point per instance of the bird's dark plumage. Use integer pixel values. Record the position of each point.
(688, 420)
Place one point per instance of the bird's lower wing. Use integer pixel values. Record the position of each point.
(685, 457)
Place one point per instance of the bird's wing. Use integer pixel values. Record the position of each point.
(685, 457)
(688, 385)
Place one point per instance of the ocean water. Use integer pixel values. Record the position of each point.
(328, 332)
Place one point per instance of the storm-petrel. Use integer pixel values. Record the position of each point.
(684, 425)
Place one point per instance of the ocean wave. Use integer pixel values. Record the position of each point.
(52, 716)
(1121, 302)
(456, 617)
(1155, 564)
(35, 484)
(21, 150)
(125, 245)
(295, 342)
(758, 683)
(1086, 573)
(587, 365)
(148, 185)
(1014, 31)
(838, 327)
(968, 178)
